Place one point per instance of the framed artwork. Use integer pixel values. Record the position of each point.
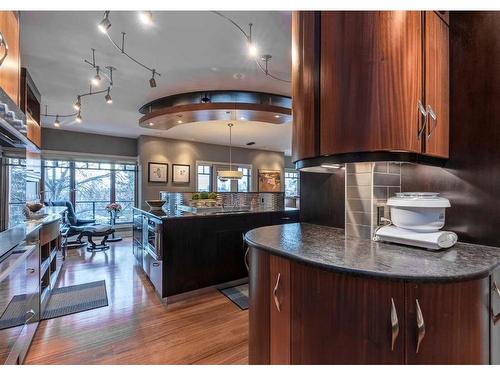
(269, 180)
(157, 172)
(180, 173)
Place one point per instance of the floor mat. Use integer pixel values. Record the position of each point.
(238, 294)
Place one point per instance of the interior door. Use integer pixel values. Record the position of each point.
(447, 323)
(437, 85)
(341, 319)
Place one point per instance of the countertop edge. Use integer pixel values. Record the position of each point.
(371, 274)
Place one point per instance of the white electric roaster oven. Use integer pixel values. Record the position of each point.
(416, 220)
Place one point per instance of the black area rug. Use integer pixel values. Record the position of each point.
(76, 298)
(237, 294)
(63, 301)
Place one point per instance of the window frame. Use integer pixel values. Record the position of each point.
(213, 180)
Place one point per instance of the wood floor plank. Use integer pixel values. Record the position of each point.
(136, 328)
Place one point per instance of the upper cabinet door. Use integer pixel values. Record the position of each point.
(10, 71)
(371, 81)
(341, 319)
(305, 84)
(437, 88)
(447, 323)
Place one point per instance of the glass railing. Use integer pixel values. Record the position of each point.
(96, 210)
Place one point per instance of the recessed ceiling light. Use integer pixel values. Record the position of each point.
(239, 76)
(146, 17)
(242, 118)
(250, 143)
(277, 116)
(214, 69)
(331, 166)
(151, 124)
(179, 121)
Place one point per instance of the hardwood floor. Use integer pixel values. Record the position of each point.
(135, 328)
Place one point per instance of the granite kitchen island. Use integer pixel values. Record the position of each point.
(183, 252)
(319, 297)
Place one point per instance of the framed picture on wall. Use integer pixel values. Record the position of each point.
(180, 173)
(158, 172)
(269, 180)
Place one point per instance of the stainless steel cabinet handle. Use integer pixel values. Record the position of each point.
(433, 115)
(495, 317)
(30, 270)
(420, 326)
(275, 291)
(423, 112)
(156, 264)
(3, 43)
(29, 315)
(394, 324)
(246, 259)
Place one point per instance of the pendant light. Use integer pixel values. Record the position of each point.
(230, 174)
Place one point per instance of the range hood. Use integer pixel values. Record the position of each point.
(13, 127)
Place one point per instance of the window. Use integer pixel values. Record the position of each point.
(245, 182)
(207, 179)
(204, 178)
(291, 183)
(95, 185)
(57, 180)
(17, 190)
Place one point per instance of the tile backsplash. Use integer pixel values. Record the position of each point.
(368, 186)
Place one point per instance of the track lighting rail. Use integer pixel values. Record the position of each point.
(248, 37)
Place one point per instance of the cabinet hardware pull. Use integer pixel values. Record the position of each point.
(433, 115)
(495, 317)
(394, 324)
(3, 43)
(156, 264)
(30, 270)
(275, 290)
(420, 325)
(29, 315)
(423, 112)
(246, 259)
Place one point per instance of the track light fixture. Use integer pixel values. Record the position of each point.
(78, 118)
(56, 122)
(96, 81)
(105, 24)
(252, 48)
(152, 81)
(78, 104)
(108, 98)
(146, 17)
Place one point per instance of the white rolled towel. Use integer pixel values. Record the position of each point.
(432, 240)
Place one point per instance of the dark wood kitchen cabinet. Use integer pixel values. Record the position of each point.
(379, 90)
(330, 317)
(495, 317)
(371, 69)
(341, 319)
(10, 71)
(305, 74)
(437, 86)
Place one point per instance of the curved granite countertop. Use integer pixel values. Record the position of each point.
(328, 248)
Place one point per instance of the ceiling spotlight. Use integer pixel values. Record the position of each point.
(151, 124)
(108, 98)
(78, 118)
(152, 81)
(179, 121)
(252, 49)
(105, 24)
(146, 17)
(78, 104)
(96, 81)
(57, 123)
(277, 116)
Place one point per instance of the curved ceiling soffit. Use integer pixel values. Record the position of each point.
(202, 106)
